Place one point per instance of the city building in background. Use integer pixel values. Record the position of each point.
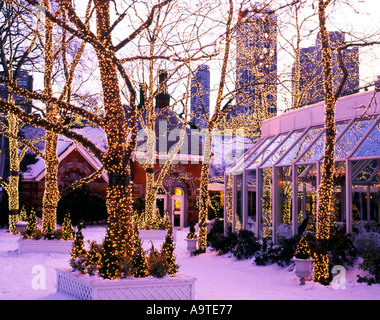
(311, 70)
(256, 64)
(200, 97)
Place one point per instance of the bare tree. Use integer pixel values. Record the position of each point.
(16, 48)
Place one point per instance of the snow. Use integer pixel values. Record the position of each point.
(218, 277)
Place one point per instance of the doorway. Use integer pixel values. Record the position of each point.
(178, 208)
(161, 202)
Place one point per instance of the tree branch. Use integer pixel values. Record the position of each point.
(48, 99)
(145, 25)
(52, 127)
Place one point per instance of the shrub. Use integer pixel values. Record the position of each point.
(191, 234)
(218, 241)
(67, 228)
(58, 233)
(371, 263)
(342, 250)
(246, 246)
(93, 257)
(305, 247)
(79, 263)
(126, 267)
(38, 234)
(222, 244)
(167, 251)
(288, 248)
(157, 264)
(267, 254)
(32, 226)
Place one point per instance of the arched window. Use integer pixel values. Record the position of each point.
(177, 192)
(178, 207)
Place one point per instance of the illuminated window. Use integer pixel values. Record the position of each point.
(178, 192)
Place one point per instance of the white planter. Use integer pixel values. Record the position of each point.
(303, 269)
(85, 287)
(44, 246)
(20, 226)
(155, 235)
(191, 245)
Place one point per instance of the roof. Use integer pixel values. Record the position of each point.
(65, 146)
(298, 137)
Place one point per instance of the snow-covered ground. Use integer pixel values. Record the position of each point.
(218, 277)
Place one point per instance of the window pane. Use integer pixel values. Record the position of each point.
(351, 137)
(300, 146)
(371, 145)
(247, 158)
(177, 204)
(316, 150)
(284, 147)
(260, 156)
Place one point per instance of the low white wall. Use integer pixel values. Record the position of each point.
(85, 287)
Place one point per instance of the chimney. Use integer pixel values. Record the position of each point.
(162, 98)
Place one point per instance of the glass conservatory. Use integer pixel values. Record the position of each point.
(272, 188)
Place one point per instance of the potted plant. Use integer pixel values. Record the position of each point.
(303, 258)
(192, 240)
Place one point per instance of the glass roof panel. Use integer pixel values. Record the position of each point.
(371, 144)
(351, 137)
(283, 148)
(300, 146)
(248, 156)
(260, 156)
(316, 150)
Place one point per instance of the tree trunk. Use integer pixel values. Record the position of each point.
(321, 263)
(13, 184)
(51, 192)
(116, 162)
(203, 195)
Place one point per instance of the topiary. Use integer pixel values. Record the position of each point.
(167, 250)
(32, 226)
(67, 228)
(78, 248)
(157, 263)
(305, 247)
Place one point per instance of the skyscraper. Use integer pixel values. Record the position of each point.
(25, 81)
(311, 71)
(256, 63)
(200, 97)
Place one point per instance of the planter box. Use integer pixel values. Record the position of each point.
(85, 287)
(21, 226)
(303, 269)
(44, 246)
(155, 234)
(191, 245)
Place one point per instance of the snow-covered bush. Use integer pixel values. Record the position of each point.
(371, 263)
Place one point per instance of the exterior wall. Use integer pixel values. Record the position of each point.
(185, 176)
(32, 190)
